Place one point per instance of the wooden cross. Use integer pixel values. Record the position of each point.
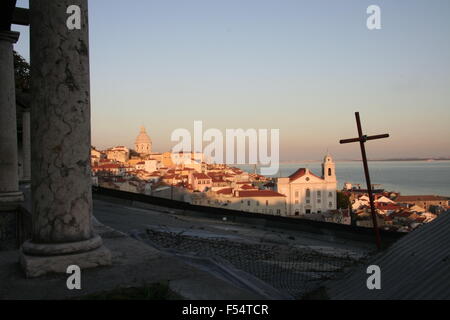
(362, 140)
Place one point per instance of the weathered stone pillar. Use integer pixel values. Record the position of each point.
(9, 167)
(26, 146)
(60, 145)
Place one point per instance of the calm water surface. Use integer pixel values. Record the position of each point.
(407, 177)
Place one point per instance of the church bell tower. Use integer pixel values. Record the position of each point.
(328, 169)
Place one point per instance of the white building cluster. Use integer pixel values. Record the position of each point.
(188, 177)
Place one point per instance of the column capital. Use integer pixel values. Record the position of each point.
(10, 36)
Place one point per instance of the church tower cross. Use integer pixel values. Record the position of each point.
(362, 139)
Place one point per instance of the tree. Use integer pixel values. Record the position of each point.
(21, 73)
(343, 201)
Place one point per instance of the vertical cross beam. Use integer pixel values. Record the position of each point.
(362, 139)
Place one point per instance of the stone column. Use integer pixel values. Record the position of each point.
(9, 168)
(60, 145)
(26, 146)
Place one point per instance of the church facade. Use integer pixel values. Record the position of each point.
(143, 143)
(307, 193)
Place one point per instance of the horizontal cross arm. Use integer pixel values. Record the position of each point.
(349, 140)
(380, 136)
(364, 138)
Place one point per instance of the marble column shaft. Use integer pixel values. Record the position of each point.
(9, 168)
(61, 124)
(61, 190)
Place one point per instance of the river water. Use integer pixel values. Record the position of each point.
(407, 177)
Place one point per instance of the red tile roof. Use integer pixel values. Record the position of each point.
(259, 193)
(225, 191)
(109, 166)
(300, 173)
(420, 198)
(388, 206)
(201, 176)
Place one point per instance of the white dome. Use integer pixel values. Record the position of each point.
(143, 143)
(143, 137)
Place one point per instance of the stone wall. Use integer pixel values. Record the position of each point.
(8, 230)
(15, 228)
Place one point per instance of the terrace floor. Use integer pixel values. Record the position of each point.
(292, 263)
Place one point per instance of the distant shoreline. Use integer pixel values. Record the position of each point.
(370, 160)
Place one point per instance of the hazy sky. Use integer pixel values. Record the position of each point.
(303, 67)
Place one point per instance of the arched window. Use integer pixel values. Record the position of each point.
(329, 171)
(308, 193)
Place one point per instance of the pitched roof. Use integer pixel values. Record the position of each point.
(297, 174)
(201, 175)
(300, 173)
(225, 191)
(417, 265)
(259, 193)
(421, 198)
(109, 166)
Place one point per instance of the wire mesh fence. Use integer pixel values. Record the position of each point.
(292, 270)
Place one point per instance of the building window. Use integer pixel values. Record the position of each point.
(319, 201)
(308, 193)
(329, 172)
(278, 211)
(319, 194)
(330, 194)
(248, 203)
(330, 204)
(296, 201)
(308, 201)
(267, 203)
(297, 213)
(296, 194)
(319, 211)
(257, 203)
(308, 211)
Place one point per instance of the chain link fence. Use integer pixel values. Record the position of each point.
(295, 271)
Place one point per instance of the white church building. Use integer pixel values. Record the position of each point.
(307, 193)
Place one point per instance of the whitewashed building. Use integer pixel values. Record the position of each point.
(119, 154)
(307, 193)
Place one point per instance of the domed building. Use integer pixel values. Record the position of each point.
(143, 143)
